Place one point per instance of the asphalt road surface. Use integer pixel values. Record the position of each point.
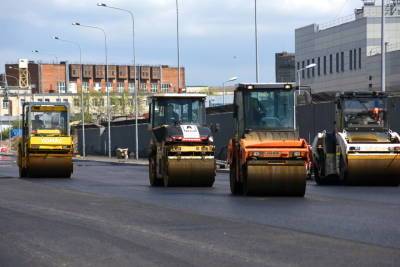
(107, 215)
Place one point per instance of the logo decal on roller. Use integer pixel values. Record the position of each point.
(50, 140)
(190, 131)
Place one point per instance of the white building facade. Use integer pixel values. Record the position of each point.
(347, 52)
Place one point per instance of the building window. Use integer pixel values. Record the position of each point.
(165, 86)
(109, 86)
(61, 87)
(65, 100)
(359, 58)
(351, 59)
(303, 65)
(330, 63)
(131, 87)
(324, 65)
(154, 88)
(22, 102)
(74, 73)
(76, 102)
(58, 100)
(40, 100)
(121, 87)
(319, 66)
(342, 61)
(308, 70)
(85, 86)
(143, 86)
(5, 104)
(337, 62)
(46, 100)
(355, 59)
(313, 69)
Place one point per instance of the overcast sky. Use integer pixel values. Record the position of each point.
(217, 36)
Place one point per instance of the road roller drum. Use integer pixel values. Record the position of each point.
(49, 166)
(190, 172)
(373, 169)
(275, 180)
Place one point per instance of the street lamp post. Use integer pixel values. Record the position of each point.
(300, 70)
(106, 79)
(134, 65)
(82, 98)
(256, 38)
(177, 45)
(223, 88)
(58, 70)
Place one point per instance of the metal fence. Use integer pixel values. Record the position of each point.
(311, 119)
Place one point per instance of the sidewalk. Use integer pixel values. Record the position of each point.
(113, 160)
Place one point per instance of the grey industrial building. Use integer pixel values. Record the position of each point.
(285, 69)
(348, 51)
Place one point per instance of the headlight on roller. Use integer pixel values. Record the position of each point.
(211, 139)
(296, 154)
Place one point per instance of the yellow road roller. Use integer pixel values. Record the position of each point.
(181, 147)
(46, 146)
(362, 150)
(266, 155)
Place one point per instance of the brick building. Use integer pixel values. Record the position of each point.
(69, 78)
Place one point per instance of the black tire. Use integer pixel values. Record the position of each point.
(318, 176)
(152, 174)
(342, 170)
(22, 172)
(236, 187)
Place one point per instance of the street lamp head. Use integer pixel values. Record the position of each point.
(56, 38)
(35, 51)
(76, 24)
(233, 79)
(313, 65)
(101, 4)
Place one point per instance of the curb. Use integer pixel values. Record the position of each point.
(110, 162)
(130, 163)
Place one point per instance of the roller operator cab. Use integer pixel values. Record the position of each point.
(362, 150)
(181, 148)
(266, 155)
(46, 146)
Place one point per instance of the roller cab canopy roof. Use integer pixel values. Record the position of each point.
(47, 106)
(271, 86)
(175, 95)
(361, 94)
